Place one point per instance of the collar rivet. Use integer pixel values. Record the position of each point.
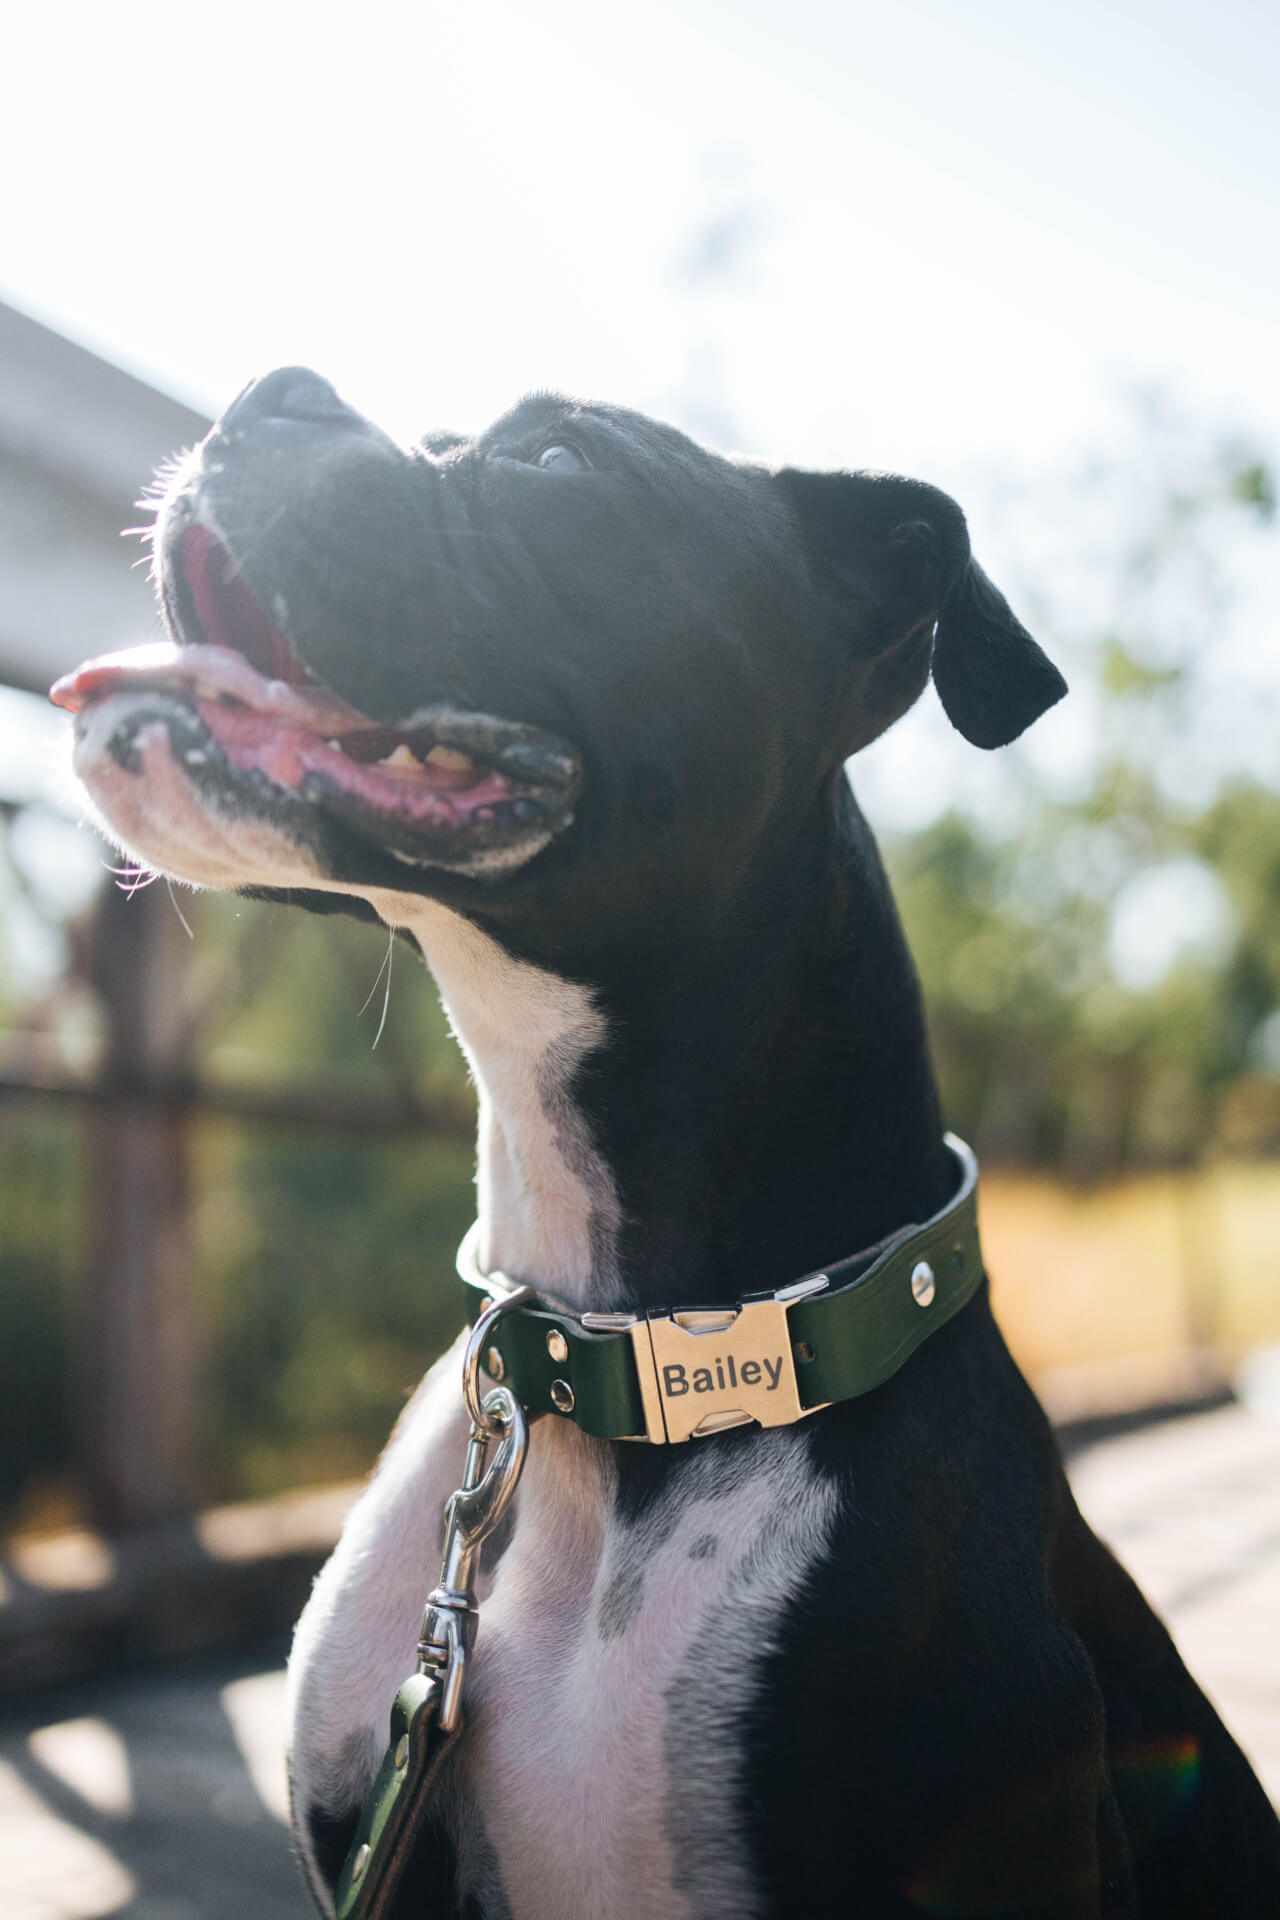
(494, 1364)
(562, 1396)
(557, 1345)
(922, 1283)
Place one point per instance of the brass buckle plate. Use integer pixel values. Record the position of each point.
(702, 1372)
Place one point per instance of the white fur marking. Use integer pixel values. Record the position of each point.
(602, 1794)
(548, 1210)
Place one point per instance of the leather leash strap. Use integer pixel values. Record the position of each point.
(390, 1820)
(669, 1376)
(426, 1715)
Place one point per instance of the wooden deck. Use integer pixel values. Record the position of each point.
(163, 1798)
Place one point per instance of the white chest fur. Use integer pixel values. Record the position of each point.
(601, 1766)
(619, 1660)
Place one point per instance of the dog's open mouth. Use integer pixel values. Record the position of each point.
(443, 786)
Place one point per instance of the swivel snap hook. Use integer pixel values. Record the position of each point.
(498, 1426)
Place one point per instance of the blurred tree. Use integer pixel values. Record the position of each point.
(1101, 956)
(327, 1258)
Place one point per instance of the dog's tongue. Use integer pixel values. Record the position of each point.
(215, 672)
(286, 732)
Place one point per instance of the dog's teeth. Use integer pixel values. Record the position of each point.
(335, 746)
(450, 759)
(195, 758)
(403, 756)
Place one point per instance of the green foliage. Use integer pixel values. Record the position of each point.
(1050, 1050)
(1123, 676)
(328, 1289)
(1253, 485)
(327, 1259)
(294, 999)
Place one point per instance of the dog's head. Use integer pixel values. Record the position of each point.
(543, 667)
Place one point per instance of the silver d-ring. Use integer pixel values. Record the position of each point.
(480, 1334)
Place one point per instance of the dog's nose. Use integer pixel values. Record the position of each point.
(290, 393)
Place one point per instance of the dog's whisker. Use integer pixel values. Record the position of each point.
(173, 898)
(158, 488)
(386, 998)
(135, 881)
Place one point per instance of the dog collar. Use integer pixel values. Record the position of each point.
(678, 1374)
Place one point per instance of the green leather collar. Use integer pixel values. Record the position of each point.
(672, 1375)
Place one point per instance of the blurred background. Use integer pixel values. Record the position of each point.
(1025, 253)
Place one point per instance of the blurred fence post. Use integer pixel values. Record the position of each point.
(1200, 1246)
(136, 1332)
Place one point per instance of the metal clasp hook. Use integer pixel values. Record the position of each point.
(470, 1516)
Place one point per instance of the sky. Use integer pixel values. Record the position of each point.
(926, 235)
(954, 240)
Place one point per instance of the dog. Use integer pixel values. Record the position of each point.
(570, 705)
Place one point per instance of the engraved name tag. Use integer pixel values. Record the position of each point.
(703, 1372)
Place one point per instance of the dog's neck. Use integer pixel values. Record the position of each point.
(687, 1135)
(547, 1203)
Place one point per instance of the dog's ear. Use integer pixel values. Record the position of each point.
(891, 556)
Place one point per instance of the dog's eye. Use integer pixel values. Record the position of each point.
(563, 458)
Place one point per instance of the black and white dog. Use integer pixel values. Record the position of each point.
(570, 704)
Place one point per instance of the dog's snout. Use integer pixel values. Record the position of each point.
(289, 393)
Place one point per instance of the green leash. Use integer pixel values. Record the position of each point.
(426, 1717)
(664, 1378)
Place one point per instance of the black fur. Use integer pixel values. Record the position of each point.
(971, 1711)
